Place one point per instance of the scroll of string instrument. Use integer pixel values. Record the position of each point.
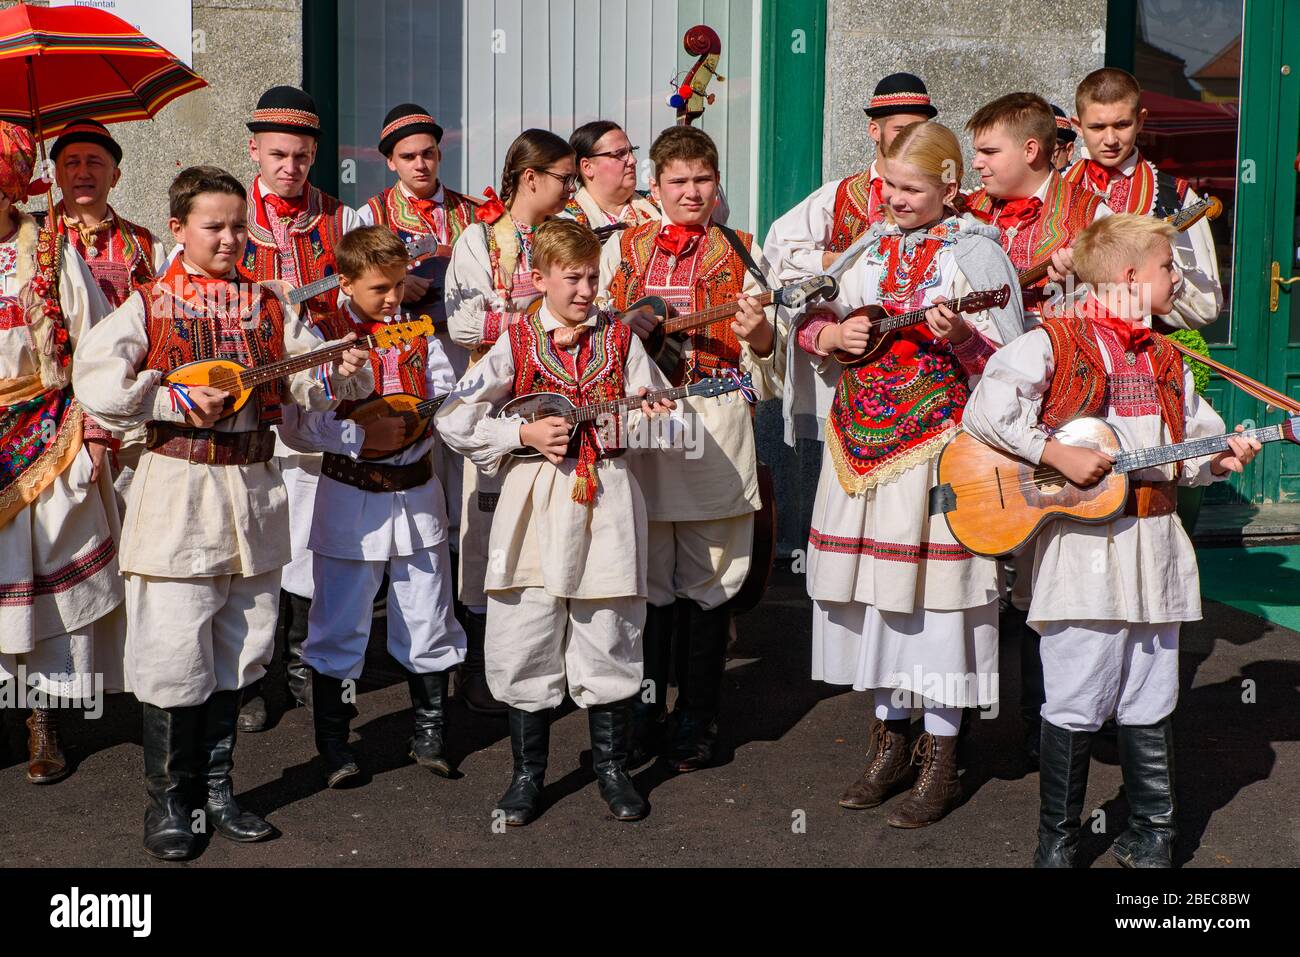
(691, 94)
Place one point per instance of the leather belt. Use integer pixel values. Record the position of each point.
(1151, 499)
(374, 476)
(208, 446)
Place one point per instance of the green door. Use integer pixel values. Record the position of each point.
(1265, 309)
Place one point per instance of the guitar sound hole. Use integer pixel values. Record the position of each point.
(1049, 481)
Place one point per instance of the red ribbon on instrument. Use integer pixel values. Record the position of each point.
(491, 210)
(675, 240)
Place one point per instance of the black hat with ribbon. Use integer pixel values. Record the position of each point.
(1065, 131)
(286, 109)
(87, 131)
(406, 120)
(900, 93)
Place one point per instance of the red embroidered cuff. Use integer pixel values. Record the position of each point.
(491, 327)
(974, 353)
(810, 330)
(92, 430)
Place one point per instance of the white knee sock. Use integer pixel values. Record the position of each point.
(886, 711)
(945, 722)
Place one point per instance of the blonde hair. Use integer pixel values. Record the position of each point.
(564, 242)
(930, 147)
(1114, 243)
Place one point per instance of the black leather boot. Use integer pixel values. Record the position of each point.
(170, 738)
(1146, 757)
(610, 730)
(471, 681)
(696, 712)
(428, 698)
(252, 711)
(332, 717)
(648, 717)
(530, 744)
(1062, 786)
(294, 610)
(220, 716)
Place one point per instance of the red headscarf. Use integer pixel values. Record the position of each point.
(17, 161)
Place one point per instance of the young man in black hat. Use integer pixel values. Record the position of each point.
(292, 230)
(811, 236)
(120, 254)
(418, 206)
(1066, 134)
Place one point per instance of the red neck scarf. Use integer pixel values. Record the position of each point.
(285, 208)
(1131, 338)
(676, 240)
(1015, 213)
(1099, 176)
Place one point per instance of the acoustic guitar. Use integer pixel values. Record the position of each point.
(414, 412)
(542, 405)
(238, 381)
(995, 503)
(667, 342)
(885, 327)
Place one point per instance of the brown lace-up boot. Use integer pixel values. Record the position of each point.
(889, 766)
(45, 761)
(936, 790)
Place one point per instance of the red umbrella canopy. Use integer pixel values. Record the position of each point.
(82, 62)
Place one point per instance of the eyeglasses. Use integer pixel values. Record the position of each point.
(570, 181)
(621, 156)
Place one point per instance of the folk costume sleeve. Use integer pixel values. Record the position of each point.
(321, 388)
(1003, 411)
(1201, 422)
(1200, 297)
(476, 313)
(467, 421)
(795, 242)
(109, 377)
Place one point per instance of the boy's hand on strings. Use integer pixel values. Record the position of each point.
(550, 436)
(351, 362)
(209, 403)
(383, 434)
(1239, 454)
(750, 325)
(662, 407)
(1080, 465)
(852, 335)
(642, 321)
(946, 324)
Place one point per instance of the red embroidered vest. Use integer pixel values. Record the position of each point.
(594, 375)
(718, 276)
(1147, 192)
(312, 238)
(391, 208)
(858, 205)
(1080, 386)
(1065, 213)
(120, 265)
(243, 323)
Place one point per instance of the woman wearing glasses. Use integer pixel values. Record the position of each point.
(489, 285)
(607, 165)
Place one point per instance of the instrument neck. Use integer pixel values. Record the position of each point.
(914, 317)
(313, 289)
(1131, 461)
(587, 413)
(693, 320)
(251, 378)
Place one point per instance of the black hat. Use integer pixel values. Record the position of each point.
(900, 93)
(403, 121)
(1065, 131)
(87, 131)
(286, 109)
